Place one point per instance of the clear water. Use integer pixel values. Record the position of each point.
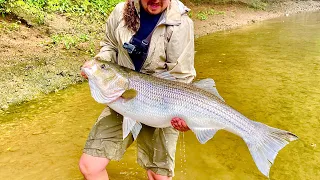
(269, 71)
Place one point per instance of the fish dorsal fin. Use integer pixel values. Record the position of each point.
(129, 94)
(165, 75)
(129, 125)
(204, 134)
(208, 85)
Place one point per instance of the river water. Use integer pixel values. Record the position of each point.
(268, 71)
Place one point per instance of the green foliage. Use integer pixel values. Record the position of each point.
(2, 8)
(203, 15)
(9, 27)
(60, 6)
(69, 40)
(84, 18)
(78, 6)
(34, 11)
(212, 1)
(258, 4)
(31, 14)
(214, 12)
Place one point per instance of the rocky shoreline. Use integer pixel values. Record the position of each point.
(30, 69)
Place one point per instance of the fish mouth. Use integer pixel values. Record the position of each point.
(87, 71)
(89, 68)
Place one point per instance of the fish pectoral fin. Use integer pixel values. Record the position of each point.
(208, 85)
(130, 125)
(129, 94)
(204, 134)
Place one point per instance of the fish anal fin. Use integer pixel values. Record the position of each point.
(204, 134)
(208, 85)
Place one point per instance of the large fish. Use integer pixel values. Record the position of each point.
(154, 101)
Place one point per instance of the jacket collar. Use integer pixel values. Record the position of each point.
(172, 14)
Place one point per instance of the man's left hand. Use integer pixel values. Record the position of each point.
(179, 124)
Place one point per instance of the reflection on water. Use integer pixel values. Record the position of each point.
(268, 71)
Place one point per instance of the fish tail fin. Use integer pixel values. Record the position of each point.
(265, 146)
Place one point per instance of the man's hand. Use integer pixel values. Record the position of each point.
(179, 124)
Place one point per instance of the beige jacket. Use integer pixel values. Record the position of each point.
(171, 46)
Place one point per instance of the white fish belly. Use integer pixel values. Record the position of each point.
(141, 113)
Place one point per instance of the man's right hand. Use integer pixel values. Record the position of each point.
(179, 124)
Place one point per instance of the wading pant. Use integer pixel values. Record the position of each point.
(156, 146)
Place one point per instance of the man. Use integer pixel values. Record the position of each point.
(149, 36)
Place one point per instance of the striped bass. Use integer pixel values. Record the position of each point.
(154, 101)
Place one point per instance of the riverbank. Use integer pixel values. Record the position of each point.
(237, 15)
(32, 65)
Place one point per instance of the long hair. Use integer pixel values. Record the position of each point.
(130, 16)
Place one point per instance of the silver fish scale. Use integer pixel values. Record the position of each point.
(163, 98)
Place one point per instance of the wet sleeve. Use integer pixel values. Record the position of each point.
(180, 51)
(109, 46)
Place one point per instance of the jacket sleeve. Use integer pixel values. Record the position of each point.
(109, 46)
(180, 51)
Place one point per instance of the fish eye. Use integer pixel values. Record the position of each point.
(103, 66)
